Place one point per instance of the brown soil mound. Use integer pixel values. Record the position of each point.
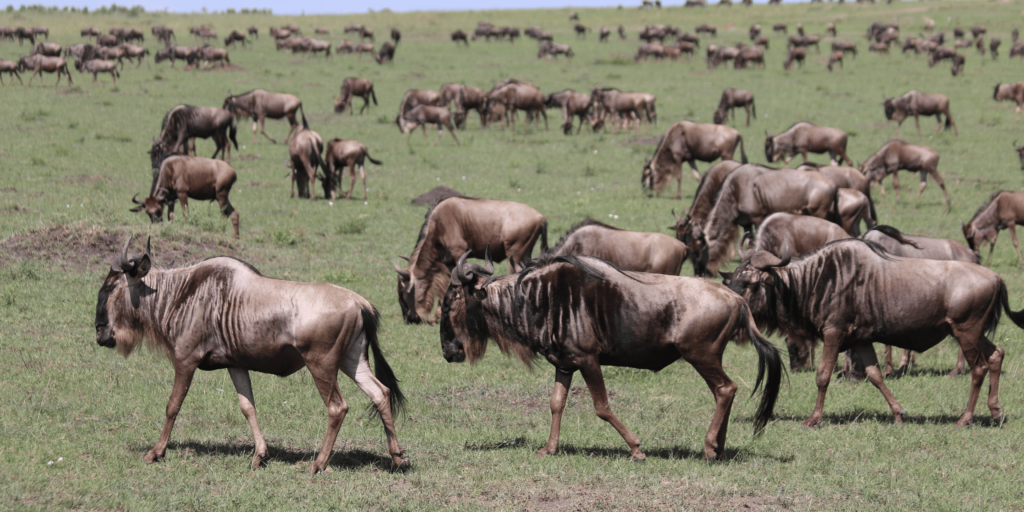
(96, 247)
(436, 194)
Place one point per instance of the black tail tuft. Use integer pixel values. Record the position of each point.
(767, 360)
(232, 131)
(373, 96)
(753, 108)
(743, 153)
(895, 234)
(1016, 316)
(834, 216)
(949, 124)
(371, 320)
(871, 205)
(544, 238)
(370, 158)
(303, 112)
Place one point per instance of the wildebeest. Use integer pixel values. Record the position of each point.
(805, 41)
(138, 53)
(162, 33)
(90, 32)
(173, 53)
(898, 155)
(460, 35)
(415, 97)
(259, 105)
(845, 177)
(637, 106)
(422, 115)
(386, 53)
(581, 30)
(581, 313)
(553, 49)
(622, 32)
(688, 227)
(351, 87)
(396, 35)
(879, 48)
(472, 98)
(852, 294)
(517, 95)
(262, 324)
(749, 55)
(707, 29)
(346, 153)
(186, 122)
(1014, 92)
(97, 66)
(802, 138)
(24, 33)
(345, 46)
(852, 207)
(235, 37)
(40, 64)
(47, 49)
(1003, 210)
(209, 55)
(916, 103)
(844, 47)
(108, 40)
(835, 58)
(732, 98)
(780, 27)
(454, 226)
(957, 68)
(830, 29)
(11, 68)
(688, 142)
(993, 46)
(305, 151)
(573, 104)
(254, 32)
(629, 250)
(939, 54)
(795, 55)
(604, 34)
(178, 178)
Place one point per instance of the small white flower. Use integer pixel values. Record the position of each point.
(221, 390)
(616, 216)
(610, 215)
(68, 206)
(60, 459)
(595, 151)
(463, 177)
(49, 463)
(331, 203)
(366, 202)
(439, 179)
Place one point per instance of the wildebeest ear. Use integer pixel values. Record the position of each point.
(145, 263)
(480, 294)
(726, 276)
(763, 260)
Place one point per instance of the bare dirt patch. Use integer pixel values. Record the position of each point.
(93, 247)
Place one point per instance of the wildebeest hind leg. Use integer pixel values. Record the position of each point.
(709, 365)
(559, 396)
(326, 379)
(243, 387)
(182, 381)
(979, 355)
(867, 355)
(591, 372)
(357, 367)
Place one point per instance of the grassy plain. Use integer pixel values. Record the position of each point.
(471, 432)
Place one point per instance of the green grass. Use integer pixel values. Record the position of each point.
(71, 159)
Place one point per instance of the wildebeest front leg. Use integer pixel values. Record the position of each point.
(357, 367)
(829, 354)
(1012, 226)
(452, 131)
(243, 386)
(867, 355)
(961, 364)
(917, 121)
(182, 381)
(559, 396)
(696, 175)
(183, 198)
(895, 184)
(591, 372)
(362, 174)
(263, 120)
(326, 379)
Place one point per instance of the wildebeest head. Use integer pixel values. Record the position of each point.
(649, 178)
(692, 236)
(995, 93)
(133, 268)
(153, 206)
(229, 104)
(769, 146)
(407, 294)
(892, 110)
(719, 115)
(1020, 154)
(461, 316)
(755, 280)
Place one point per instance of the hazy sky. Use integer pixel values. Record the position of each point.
(336, 7)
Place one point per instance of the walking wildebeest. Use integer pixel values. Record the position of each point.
(732, 98)
(304, 150)
(852, 294)
(573, 104)
(186, 122)
(415, 97)
(640, 106)
(173, 53)
(347, 153)
(1014, 92)
(629, 250)
(803, 137)
(689, 142)
(11, 68)
(97, 66)
(262, 324)
(898, 155)
(993, 47)
(235, 37)
(1003, 210)
(90, 32)
(835, 58)
(516, 95)
(353, 86)
(472, 98)
(386, 53)
(422, 115)
(138, 53)
(209, 55)
(915, 103)
(460, 35)
(178, 178)
(688, 228)
(581, 313)
(259, 105)
(47, 49)
(795, 55)
(41, 63)
(553, 49)
(453, 226)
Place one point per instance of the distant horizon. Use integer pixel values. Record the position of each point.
(333, 8)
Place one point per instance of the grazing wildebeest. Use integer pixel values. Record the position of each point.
(1017, 50)
(254, 32)
(957, 68)
(979, 44)
(346, 153)
(732, 98)
(235, 37)
(852, 294)
(262, 324)
(304, 150)
(396, 35)
(259, 105)
(25, 33)
(749, 55)
(707, 29)
(581, 313)
(516, 95)
(835, 58)
(879, 48)
(751, 193)
(581, 30)
(173, 53)
(209, 55)
(844, 47)
(1014, 92)
(386, 53)
(916, 103)
(993, 47)
(845, 177)
(1003, 210)
(472, 98)
(362, 48)
(898, 155)
(754, 31)
(689, 142)
(321, 30)
(913, 246)
(939, 54)
(345, 46)
(629, 250)
(804, 41)
(639, 106)
(795, 55)
(90, 32)
(178, 178)
(553, 49)
(185, 122)
(97, 66)
(830, 29)
(604, 34)
(958, 33)
(47, 49)
(351, 87)
(802, 138)
(422, 115)
(41, 63)
(687, 228)
(453, 226)
(978, 31)
(460, 35)
(11, 68)
(763, 42)
(780, 27)
(573, 104)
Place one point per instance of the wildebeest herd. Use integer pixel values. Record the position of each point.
(600, 295)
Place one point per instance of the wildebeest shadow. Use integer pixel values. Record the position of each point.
(666, 453)
(351, 459)
(885, 418)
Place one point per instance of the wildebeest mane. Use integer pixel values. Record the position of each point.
(988, 203)
(426, 218)
(893, 233)
(580, 225)
(184, 107)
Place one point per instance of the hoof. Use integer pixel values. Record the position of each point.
(640, 458)
(404, 464)
(543, 452)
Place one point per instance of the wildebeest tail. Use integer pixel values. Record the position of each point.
(370, 158)
(371, 320)
(232, 130)
(768, 361)
(544, 237)
(834, 215)
(871, 206)
(753, 108)
(1016, 316)
(373, 96)
(743, 153)
(303, 112)
(949, 123)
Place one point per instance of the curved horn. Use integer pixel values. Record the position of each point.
(459, 272)
(401, 271)
(135, 199)
(406, 258)
(124, 250)
(786, 256)
(148, 247)
(678, 218)
(488, 264)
